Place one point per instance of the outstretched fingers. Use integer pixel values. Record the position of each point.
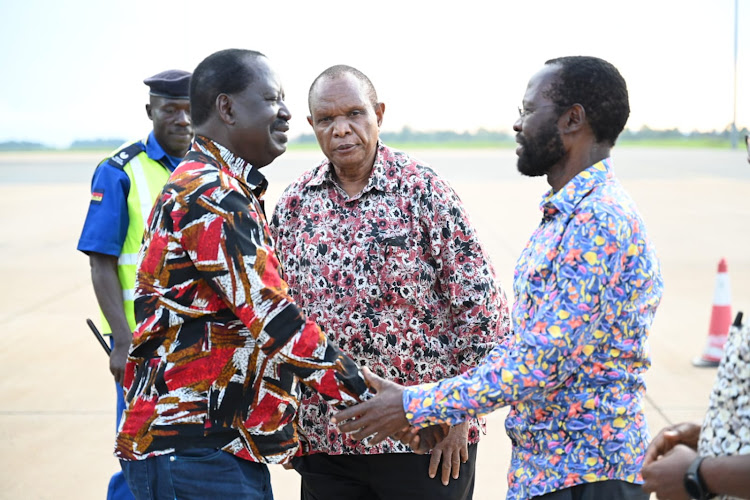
(379, 417)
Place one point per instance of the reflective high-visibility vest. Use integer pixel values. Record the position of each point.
(147, 178)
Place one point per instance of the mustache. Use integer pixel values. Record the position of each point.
(282, 125)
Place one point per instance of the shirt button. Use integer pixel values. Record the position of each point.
(171, 459)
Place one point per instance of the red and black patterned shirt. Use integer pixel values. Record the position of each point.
(220, 346)
(395, 275)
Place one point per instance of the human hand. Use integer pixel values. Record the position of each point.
(407, 436)
(380, 417)
(666, 476)
(686, 433)
(117, 359)
(429, 437)
(453, 451)
(422, 440)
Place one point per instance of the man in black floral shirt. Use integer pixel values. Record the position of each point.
(378, 250)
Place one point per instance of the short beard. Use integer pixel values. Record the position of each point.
(539, 154)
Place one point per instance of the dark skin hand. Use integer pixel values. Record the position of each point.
(453, 451)
(109, 295)
(672, 451)
(686, 433)
(384, 416)
(380, 417)
(425, 439)
(422, 440)
(665, 476)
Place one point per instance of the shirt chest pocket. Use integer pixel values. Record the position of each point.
(399, 270)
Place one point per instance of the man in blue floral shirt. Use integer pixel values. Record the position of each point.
(586, 286)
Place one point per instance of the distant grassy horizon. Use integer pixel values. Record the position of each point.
(684, 142)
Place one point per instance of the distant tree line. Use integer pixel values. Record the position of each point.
(482, 136)
(22, 146)
(407, 134)
(644, 134)
(92, 144)
(649, 134)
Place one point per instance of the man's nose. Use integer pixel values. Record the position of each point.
(518, 125)
(284, 112)
(341, 126)
(183, 118)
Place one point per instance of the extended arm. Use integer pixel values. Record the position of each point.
(550, 346)
(567, 296)
(244, 272)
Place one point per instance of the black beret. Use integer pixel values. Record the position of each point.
(172, 83)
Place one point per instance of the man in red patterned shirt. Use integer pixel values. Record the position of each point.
(212, 374)
(378, 249)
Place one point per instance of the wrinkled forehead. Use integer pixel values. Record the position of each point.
(332, 84)
(540, 83)
(337, 90)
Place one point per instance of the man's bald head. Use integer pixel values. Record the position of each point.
(339, 71)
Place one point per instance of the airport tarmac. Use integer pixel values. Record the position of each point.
(57, 397)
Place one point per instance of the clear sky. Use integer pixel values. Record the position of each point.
(74, 69)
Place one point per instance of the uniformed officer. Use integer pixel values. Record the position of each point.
(123, 191)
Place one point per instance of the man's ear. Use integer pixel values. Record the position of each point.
(309, 120)
(573, 120)
(148, 111)
(224, 109)
(379, 111)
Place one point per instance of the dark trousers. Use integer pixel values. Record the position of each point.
(610, 490)
(391, 476)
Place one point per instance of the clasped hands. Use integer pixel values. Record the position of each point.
(667, 458)
(383, 416)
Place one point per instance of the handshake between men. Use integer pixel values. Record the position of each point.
(383, 416)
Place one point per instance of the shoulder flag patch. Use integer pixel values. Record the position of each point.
(96, 196)
(123, 156)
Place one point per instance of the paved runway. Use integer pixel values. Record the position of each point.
(56, 415)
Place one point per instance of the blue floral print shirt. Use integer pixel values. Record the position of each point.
(586, 287)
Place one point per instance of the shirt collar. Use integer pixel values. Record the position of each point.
(157, 153)
(566, 199)
(383, 176)
(232, 164)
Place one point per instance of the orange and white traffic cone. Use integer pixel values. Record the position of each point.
(721, 320)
